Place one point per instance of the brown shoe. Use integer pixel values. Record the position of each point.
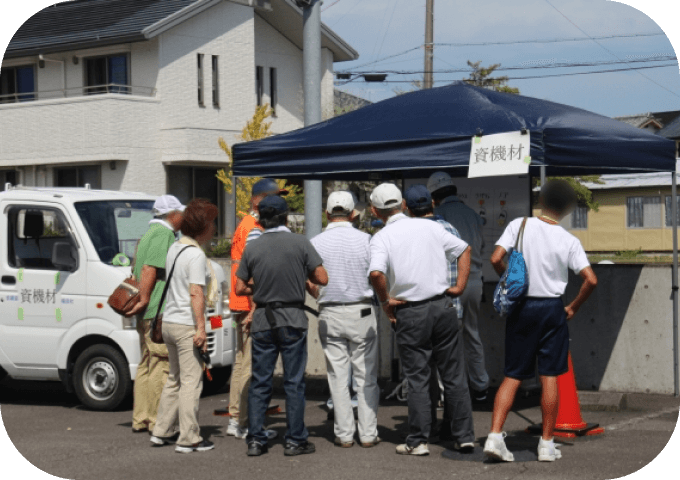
(341, 444)
(372, 443)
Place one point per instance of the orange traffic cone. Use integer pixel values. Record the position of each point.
(569, 423)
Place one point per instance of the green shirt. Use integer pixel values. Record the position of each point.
(153, 250)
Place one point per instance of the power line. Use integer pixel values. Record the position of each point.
(606, 49)
(520, 67)
(511, 42)
(533, 76)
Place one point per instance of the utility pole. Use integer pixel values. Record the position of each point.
(311, 67)
(429, 43)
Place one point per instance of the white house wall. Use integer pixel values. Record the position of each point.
(190, 132)
(274, 50)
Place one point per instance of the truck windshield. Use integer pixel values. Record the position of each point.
(115, 227)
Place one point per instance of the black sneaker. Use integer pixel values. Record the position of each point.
(161, 441)
(255, 449)
(298, 448)
(479, 396)
(203, 446)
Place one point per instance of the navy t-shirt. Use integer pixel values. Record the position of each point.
(279, 263)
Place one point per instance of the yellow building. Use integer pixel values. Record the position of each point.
(634, 214)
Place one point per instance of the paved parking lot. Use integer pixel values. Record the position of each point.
(55, 434)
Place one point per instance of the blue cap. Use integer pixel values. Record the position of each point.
(272, 205)
(417, 196)
(267, 185)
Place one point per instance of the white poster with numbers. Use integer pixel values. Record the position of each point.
(500, 154)
(498, 200)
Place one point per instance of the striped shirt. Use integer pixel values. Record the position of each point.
(453, 266)
(346, 255)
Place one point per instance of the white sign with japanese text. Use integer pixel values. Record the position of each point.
(500, 154)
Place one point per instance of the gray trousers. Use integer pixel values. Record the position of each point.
(474, 350)
(430, 331)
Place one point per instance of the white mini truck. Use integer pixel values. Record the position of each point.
(64, 252)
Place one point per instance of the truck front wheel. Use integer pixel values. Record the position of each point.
(101, 377)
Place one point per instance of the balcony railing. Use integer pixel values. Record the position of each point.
(79, 92)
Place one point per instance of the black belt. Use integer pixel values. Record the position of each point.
(271, 306)
(421, 302)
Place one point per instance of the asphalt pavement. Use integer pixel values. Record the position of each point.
(58, 436)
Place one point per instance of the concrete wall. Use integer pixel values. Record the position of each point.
(621, 339)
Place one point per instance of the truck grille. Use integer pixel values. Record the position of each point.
(211, 343)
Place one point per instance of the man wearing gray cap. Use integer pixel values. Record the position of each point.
(149, 271)
(409, 271)
(347, 323)
(469, 225)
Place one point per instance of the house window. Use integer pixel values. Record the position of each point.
(79, 176)
(273, 94)
(201, 94)
(644, 212)
(108, 74)
(7, 176)
(259, 84)
(579, 217)
(187, 183)
(215, 82)
(669, 211)
(17, 84)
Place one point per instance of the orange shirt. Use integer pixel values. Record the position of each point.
(240, 303)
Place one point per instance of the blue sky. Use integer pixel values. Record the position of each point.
(380, 28)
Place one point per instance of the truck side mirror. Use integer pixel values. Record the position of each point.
(64, 257)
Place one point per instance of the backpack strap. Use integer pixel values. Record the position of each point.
(520, 234)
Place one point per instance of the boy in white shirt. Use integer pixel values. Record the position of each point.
(537, 326)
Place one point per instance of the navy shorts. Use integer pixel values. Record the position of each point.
(536, 330)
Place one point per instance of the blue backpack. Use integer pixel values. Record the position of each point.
(514, 282)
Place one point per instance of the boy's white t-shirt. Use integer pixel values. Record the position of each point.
(549, 251)
(190, 268)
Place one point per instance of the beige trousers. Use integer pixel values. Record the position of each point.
(152, 372)
(240, 374)
(182, 391)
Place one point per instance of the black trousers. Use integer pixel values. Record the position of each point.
(430, 332)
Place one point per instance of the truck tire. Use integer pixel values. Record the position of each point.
(220, 377)
(101, 377)
(3, 373)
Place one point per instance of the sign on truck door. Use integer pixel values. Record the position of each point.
(38, 303)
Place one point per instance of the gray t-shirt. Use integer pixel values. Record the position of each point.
(279, 262)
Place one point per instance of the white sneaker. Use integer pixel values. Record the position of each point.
(271, 434)
(232, 428)
(419, 450)
(495, 448)
(241, 432)
(548, 451)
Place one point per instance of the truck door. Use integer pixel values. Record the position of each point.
(39, 303)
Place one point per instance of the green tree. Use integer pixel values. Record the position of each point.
(257, 128)
(481, 77)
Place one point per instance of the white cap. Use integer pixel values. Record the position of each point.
(386, 195)
(341, 199)
(167, 204)
(438, 180)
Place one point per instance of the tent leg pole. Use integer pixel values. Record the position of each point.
(542, 175)
(674, 276)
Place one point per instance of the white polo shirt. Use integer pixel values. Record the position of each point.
(346, 255)
(549, 252)
(414, 254)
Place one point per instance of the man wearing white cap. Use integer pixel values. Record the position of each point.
(149, 270)
(469, 225)
(409, 272)
(347, 322)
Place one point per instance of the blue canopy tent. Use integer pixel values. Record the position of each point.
(427, 130)
(412, 135)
